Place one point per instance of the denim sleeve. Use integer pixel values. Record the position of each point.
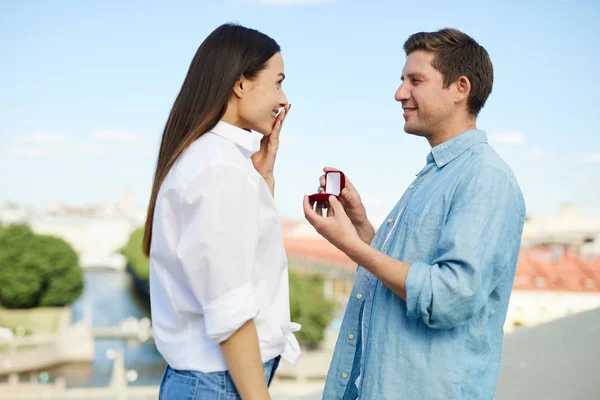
(477, 244)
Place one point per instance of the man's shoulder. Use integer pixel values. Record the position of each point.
(484, 159)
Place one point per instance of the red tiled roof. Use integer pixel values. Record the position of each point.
(317, 250)
(538, 268)
(556, 269)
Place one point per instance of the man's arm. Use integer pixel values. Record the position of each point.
(475, 251)
(242, 356)
(365, 231)
(391, 272)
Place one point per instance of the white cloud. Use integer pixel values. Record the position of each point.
(508, 138)
(118, 137)
(587, 158)
(40, 144)
(538, 154)
(34, 151)
(42, 137)
(52, 145)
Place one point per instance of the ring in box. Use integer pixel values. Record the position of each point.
(335, 181)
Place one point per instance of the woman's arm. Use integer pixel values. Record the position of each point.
(242, 356)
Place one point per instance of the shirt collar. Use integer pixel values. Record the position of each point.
(446, 152)
(248, 141)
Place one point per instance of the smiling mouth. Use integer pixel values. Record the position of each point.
(407, 110)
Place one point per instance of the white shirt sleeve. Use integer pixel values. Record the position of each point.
(220, 211)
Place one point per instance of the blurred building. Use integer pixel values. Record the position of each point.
(569, 228)
(96, 232)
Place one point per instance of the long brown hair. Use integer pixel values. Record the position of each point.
(228, 53)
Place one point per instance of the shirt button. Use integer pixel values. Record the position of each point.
(345, 375)
(359, 296)
(350, 336)
(411, 187)
(390, 220)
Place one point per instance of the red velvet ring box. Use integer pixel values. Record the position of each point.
(335, 181)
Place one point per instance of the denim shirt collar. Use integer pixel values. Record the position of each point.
(448, 151)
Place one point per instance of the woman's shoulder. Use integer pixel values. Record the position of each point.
(210, 155)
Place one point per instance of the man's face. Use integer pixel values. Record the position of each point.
(426, 103)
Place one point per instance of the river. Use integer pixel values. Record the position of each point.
(112, 298)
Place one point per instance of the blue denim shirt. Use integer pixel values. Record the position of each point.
(459, 225)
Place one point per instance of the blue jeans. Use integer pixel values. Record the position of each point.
(193, 385)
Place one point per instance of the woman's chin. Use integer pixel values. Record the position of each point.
(265, 131)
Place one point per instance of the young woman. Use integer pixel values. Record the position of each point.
(218, 268)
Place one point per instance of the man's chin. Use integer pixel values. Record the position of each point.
(410, 129)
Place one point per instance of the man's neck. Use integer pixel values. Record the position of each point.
(449, 132)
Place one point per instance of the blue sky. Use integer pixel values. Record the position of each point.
(85, 89)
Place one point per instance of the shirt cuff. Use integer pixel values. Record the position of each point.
(291, 351)
(226, 314)
(416, 283)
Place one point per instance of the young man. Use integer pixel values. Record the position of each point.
(426, 314)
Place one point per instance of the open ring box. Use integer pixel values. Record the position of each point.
(335, 181)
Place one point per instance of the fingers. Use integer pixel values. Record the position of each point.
(336, 208)
(283, 114)
(330, 211)
(347, 195)
(311, 216)
(279, 121)
(319, 208)
(331, 169)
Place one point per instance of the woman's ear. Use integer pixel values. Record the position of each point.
(240, 87)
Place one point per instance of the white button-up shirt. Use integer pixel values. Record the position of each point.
(217, 257)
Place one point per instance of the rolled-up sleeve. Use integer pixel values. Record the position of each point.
(476, 250)
(218, 244)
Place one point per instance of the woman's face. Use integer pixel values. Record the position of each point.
(263, 97)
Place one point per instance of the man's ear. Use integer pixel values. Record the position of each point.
(241, 86)
(463, 88)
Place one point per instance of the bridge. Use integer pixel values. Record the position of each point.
(117, 389)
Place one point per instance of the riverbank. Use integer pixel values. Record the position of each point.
(35, 320)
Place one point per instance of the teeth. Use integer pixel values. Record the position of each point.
(274, 114)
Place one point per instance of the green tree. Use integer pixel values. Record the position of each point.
(309, 307)
(133, 253)
(37, 270)
(60, 269)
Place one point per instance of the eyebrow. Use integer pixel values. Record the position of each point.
(412, 75)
